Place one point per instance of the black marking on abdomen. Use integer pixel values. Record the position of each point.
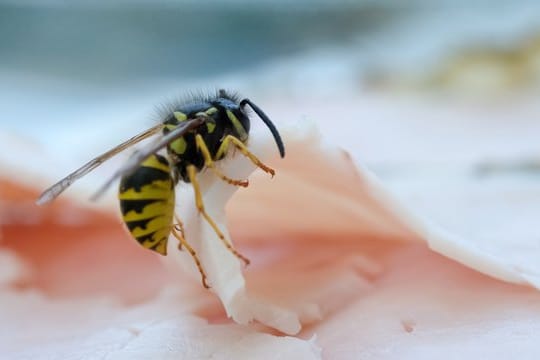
(141, 177)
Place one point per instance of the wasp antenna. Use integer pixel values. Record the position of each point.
(268, 123)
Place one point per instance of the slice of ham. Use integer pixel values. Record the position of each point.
(330, 248)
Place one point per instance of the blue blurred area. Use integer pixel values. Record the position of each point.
(117, 43)
(84, 65)
(183, 40)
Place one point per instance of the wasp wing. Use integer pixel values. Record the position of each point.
(51, 193)
(139, 156)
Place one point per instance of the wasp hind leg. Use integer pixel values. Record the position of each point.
(244, 150)
(192, 173)
(178, 233)
(179, 227)
(208, 162)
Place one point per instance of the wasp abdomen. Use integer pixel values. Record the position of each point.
(147, 203)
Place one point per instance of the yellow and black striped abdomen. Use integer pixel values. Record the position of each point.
(147, 203)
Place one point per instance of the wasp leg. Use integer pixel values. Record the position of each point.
(192, 252)
(192, 172)
(179, 226)
(208, 162)
(244, 150)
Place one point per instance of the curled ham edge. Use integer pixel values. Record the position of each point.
(357, 205)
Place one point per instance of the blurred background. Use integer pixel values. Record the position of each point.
(424, 85)
(439, 98)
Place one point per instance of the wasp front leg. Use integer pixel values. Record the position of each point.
(244, 150)
(208, 162)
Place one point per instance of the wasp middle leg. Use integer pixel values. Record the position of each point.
(192, 173)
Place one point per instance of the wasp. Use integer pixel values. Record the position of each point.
(192, 136)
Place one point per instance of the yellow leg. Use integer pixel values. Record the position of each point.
(208, 162)
(179, 226)
(244, 150)
(192, 173)
(192, 252)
